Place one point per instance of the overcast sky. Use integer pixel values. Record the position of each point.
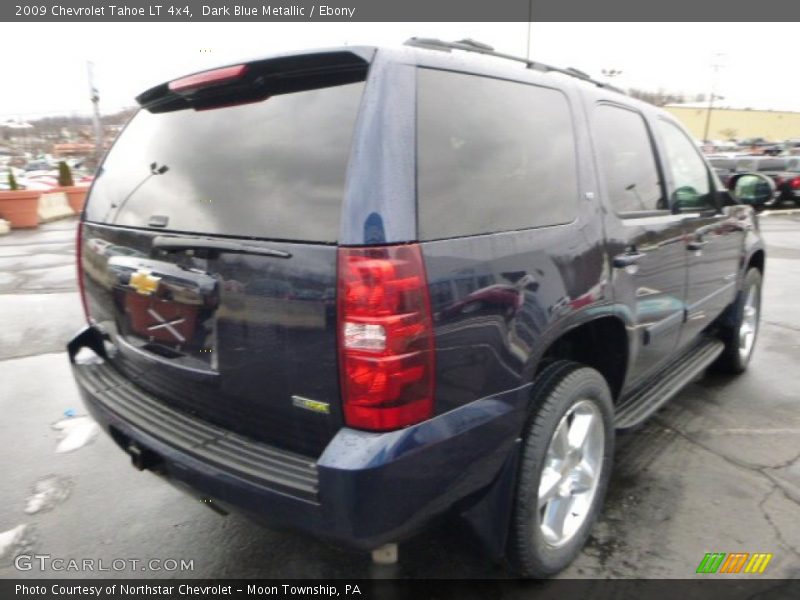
(44, 64)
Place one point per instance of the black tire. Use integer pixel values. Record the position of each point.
(562, 387)
(732, 360)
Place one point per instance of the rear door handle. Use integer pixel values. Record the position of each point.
(696, 245)
(629, 258)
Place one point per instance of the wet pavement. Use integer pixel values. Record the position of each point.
(716, 470)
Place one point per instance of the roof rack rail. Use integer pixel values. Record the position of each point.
(470, 45)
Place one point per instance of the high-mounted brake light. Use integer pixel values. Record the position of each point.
(386, 344)
(208, 78)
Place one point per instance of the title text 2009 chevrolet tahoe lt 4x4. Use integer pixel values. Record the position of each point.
(350, 290)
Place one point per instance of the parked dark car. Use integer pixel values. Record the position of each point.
(785, 172)
(792, 147)
(523, 259)
(762, 146)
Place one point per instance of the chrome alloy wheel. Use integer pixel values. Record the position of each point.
(571, 473)
(749, 325)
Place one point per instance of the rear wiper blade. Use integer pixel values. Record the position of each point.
(170, 243)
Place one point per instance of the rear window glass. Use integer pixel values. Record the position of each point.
(271, 169)
(493, 156)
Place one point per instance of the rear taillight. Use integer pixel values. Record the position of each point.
(386, 346)
(795, 183)
(79, 261)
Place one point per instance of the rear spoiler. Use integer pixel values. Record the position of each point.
(257, 80)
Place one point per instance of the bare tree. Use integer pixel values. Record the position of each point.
(658, 98)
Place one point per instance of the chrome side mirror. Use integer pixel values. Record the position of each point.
(752, 188)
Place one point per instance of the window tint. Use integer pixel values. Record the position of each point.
(271, 169)
(492, 156)
(692, 187)
(627, 161)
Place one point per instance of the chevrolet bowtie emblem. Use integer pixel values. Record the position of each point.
(144, 282)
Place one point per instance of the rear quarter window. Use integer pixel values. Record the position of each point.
(492, 156)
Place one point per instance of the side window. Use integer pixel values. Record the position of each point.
(493, 155)
(625, 153)
(689, 173)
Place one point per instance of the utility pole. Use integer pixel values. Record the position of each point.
(94, 95)
(715, 67)
(530, 25)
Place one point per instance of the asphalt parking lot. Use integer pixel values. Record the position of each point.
(717, 470)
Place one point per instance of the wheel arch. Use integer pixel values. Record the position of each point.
(602, 343)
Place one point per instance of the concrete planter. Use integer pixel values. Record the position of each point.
(76, 196)
(20, 207)
(54, 205)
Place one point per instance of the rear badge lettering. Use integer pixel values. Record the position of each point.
(312, 405)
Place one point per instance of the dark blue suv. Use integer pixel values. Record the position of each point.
(350, 290)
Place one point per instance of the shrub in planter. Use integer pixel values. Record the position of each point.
(76, 194)
(64, 175)
(19, 207)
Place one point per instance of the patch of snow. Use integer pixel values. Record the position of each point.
(77, 432)
(47, 493)
(11, 538)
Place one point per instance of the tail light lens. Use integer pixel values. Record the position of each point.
(795, 183)
(79, 265)
(386, 345)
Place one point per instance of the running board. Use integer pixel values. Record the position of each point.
(647, 399)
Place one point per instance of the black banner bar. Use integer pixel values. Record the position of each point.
(734, 588)
(398, 10)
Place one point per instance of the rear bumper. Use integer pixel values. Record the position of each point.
(366, 489)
